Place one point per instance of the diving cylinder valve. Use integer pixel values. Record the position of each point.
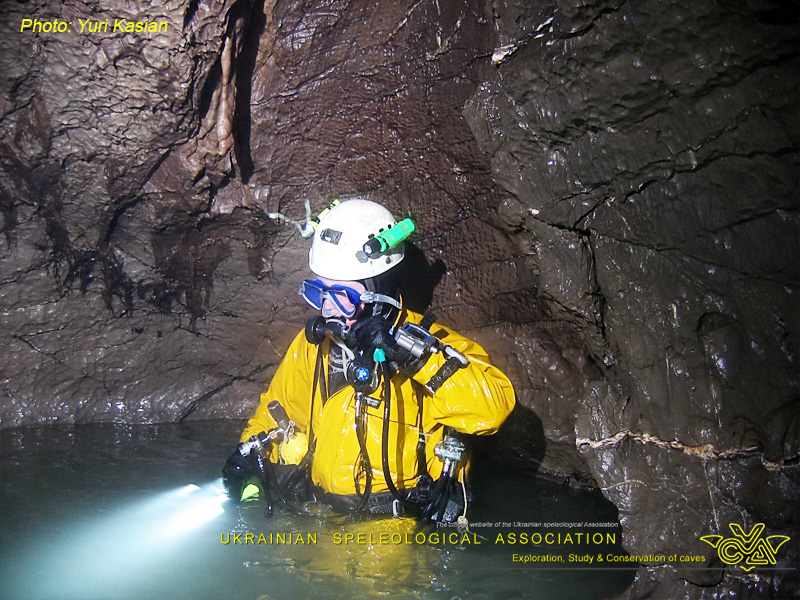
(255, 450)
(256, 442)
(293, 444)
(450, 451)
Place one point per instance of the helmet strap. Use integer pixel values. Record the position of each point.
(372, 297)
(383, 304)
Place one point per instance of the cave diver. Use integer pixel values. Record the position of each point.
(369, 407)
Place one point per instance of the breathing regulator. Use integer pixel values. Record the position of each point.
(292, 447)
(415, 339)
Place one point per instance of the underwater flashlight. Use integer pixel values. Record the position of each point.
(388, 239)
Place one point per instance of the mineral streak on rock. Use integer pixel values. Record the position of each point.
(605, 193)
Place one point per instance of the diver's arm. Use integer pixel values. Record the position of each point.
(477, 398)
(291, 386)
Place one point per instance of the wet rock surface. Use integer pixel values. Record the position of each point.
(649, 157)
(606, 196)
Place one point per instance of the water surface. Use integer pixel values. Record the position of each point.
(135, 512)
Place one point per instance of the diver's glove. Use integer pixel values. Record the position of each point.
(374, 332)
(235, 473)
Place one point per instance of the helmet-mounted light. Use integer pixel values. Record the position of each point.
(386, 240)
(356, 240)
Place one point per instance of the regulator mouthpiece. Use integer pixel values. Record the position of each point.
(386, 240)
(318, 328)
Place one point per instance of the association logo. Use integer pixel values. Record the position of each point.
(748, 550)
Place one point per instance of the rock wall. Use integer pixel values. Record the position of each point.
(606, 195)
(144, 272)
(112, 143)
(648, 157)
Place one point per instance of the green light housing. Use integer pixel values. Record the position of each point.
(386, 240)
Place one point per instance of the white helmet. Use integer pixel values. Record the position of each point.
(337, 248)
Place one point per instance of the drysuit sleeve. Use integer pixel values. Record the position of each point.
(477, 398)
(291, 386)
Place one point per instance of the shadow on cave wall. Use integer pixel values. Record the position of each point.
(520, 444)
(417, 279)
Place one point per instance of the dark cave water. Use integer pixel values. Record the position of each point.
(108, 511)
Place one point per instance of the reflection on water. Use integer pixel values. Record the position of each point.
(102, 511)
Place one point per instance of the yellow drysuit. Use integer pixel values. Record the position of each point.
(475, 400)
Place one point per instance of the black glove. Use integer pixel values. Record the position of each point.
(236, 471)
(372, 332)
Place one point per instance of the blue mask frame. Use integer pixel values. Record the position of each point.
(314, 292)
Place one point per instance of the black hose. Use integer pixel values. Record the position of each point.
(387, 474)
(362, 445)
(436, 494)
(255, 458)
(273, 480)
(445, 499)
